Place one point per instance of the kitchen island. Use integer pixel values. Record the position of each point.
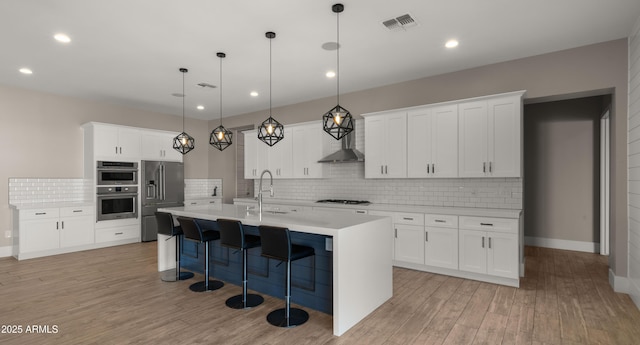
(361, 247)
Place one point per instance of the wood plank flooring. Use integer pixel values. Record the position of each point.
(114, 296)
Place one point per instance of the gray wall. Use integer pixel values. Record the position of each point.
(580, 70)
(562, 169)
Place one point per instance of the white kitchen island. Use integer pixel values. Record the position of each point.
(362, 252)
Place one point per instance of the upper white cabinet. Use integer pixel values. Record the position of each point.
(295, 156)
(490, 132)
(432, 141)
(310, 144)
(117, 142)
(158, 146)
(385, 139)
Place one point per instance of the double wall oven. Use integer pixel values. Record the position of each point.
(117, 190)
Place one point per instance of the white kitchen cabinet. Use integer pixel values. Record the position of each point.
(385, 138)
(489, 133)
(279, 156)
(116, 142)
(259, 156)
(441, 241)
(50, 231)
(432, 142)
(408, 237)
(310, 144)
(489, 246)
(158, 146)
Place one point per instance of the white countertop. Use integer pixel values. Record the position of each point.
(37, 205)
(457, 211)
(321, 223)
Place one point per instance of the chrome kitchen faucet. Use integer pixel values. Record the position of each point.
(260, 191)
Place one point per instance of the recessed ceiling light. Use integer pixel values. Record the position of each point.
(25, 70)
(200, 107)
(62, 38)
(451, 44)
(330, 74)
(254, 93)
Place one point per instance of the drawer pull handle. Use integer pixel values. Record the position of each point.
(486, 224)
(482, 241)
(359, 211)
(440, 221)
(119, 233)
(194, 203)
(77, 211)
(212, 202)
(40, 213)
(407, 218)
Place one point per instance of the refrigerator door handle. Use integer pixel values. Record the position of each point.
(162, 182)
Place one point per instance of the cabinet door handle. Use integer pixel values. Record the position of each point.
(484, 167)
(381, 169)
(120, 149)
(396, 233)
(426, 236)
(482, 241)
(428, 171)
(62, 224)
(433, 168)
(385, 170)
(490, 169)
(486, 224)
(489, 242)
(116, 149)
(57, 226)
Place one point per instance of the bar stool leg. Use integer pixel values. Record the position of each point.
(180, 275)
(244, 301)
(206, 285)
(288, 317)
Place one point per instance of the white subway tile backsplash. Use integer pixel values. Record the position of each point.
(38, 190)
(201, 188)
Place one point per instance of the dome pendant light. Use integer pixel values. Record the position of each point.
(183, 143)
(220, 137)
(337, 121)
(270, 131)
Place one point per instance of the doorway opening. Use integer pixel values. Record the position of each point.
(244, 187)
(566, 145)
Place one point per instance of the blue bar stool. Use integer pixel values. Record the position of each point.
(193, 232)
(276, 244)
(232, 235)
(166, 227)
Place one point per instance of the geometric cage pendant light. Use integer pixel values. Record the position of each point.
(270, 131)
(183, 142)
(337, 121)
(220, 137)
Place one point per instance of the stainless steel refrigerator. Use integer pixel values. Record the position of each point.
(163, 186)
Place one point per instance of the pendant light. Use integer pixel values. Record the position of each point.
(337, 121)
(220, 137)
(183, 143)
(270, 131)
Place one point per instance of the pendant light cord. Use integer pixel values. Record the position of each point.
(270, 63)
(338, 56)
(183, 96)
(220, 91)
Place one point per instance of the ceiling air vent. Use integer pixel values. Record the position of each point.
(400, 23)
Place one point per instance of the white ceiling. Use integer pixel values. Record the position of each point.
(128, 51)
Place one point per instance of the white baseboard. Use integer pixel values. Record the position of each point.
(578, 246)
(634, 293)
(5, 251)
(619, 284)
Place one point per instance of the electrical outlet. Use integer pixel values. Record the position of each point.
(7, 234)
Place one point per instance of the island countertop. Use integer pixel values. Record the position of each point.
(362, 252)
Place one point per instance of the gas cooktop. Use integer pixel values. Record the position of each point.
(346, 202)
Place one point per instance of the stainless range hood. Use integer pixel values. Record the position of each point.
(348, 153)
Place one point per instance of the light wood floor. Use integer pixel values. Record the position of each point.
(114, 296)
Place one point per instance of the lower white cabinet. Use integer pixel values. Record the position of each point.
(489, 246)
(441, 241)
(46, 231)
(408, 237)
